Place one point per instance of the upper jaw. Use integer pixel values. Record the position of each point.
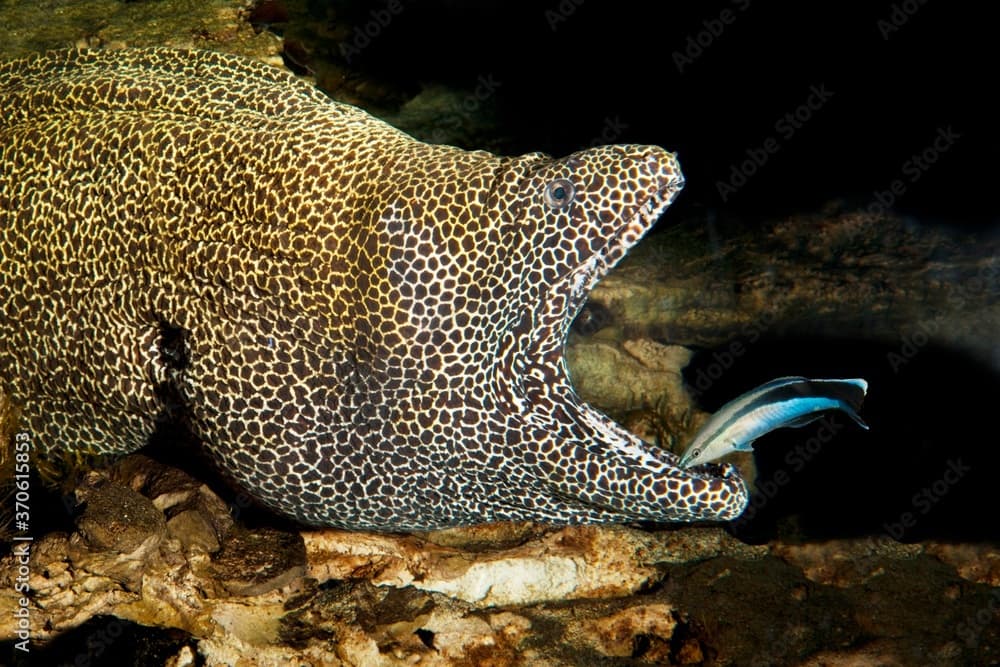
(551, 316)
(583, 278)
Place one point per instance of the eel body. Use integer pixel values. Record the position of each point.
(364, 330)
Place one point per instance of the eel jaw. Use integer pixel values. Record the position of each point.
(582, 280)
(633, 480)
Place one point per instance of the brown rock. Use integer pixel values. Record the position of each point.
(252, 563)
(975, 562)
(617, 635)
(116, 518)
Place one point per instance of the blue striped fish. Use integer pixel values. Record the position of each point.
(785, 402)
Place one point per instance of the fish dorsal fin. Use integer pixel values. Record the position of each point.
(742, 401)
(779, 382)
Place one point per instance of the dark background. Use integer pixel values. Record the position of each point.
(567, 69)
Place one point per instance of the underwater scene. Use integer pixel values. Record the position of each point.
(431, 332)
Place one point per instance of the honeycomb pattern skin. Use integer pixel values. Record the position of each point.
(364, 330)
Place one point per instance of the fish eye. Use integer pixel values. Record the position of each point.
(559, 193)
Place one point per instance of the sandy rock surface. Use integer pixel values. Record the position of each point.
(154, 547)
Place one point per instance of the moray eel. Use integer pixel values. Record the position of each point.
(782, 403)
(363, 330)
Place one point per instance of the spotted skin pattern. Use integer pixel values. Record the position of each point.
(364, 330)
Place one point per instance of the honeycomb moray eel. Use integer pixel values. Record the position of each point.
(364, 330)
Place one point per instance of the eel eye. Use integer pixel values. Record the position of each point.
(559, 193)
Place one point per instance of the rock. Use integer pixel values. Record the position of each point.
(115, 518)
(217, 24)
(597, 369)
(253, 563)
(501, 595)
(174, 493)
(979, 563)
(575, 562)
(194, 532)
(617, 635)
(845, 273)
(844, 563)
(592, 318)
(448, 115)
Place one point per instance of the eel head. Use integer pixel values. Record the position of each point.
(577, 217)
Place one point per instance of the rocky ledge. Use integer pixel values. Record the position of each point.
(153, 547)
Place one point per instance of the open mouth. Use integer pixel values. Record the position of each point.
(585, 277)
(591, 462)
(579, 282)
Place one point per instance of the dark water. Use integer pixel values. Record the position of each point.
(848, 94)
